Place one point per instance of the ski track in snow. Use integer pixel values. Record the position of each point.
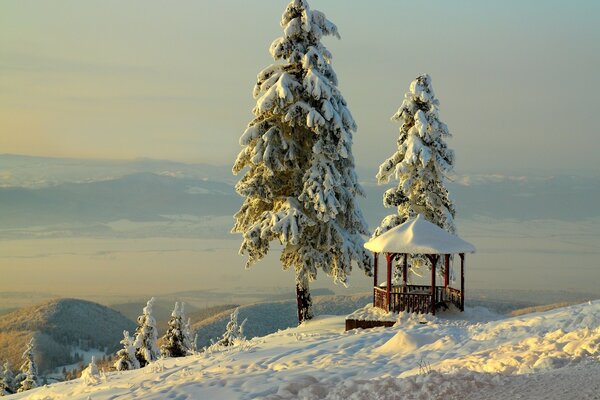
(472, 355)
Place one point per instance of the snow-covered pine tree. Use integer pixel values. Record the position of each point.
(91, 375)
(188, 341)
(126, 359)
(28, 378)
(300, 186)
(174, 341)
(7, 380)
(234, 332)
(420, 164)
(146, 336)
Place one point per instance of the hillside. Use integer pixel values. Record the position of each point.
(61, 327)
(472, 355)
(268, 317)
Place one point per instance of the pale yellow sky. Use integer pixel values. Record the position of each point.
(518, 83)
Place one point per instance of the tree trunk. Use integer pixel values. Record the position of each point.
(304, 302)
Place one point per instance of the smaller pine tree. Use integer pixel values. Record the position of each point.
(7, 380)
(187, 336)
(91, 375)
(29, 374)
(234, 332)
(146, 336)
(126, 359)
(175, 343)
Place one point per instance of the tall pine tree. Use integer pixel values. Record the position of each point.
(420, 164)
(300, 186)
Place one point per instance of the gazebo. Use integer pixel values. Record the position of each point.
(418, 236)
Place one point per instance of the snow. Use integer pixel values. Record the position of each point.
(419, 236)
(370, 313)
(472, 355)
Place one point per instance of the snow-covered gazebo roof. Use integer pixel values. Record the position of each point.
(419, 236)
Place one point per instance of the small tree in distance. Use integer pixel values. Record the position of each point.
(146, 336)
(234, 332)
(28, 378)
(126, 358)
(91, 375)
(300, 186)
(420, 164)
(176, 341)
(7, 380)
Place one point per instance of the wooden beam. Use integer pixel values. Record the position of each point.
(462, 281)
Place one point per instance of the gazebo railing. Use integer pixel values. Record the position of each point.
(380, 298)
(411, 302)
(415, 298)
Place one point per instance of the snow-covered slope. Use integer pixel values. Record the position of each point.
(474, 355)
(268, 317)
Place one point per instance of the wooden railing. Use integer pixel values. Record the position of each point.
(411, 302)
(380, 298)
(415, 298)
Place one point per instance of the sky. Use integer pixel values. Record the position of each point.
(517, 81)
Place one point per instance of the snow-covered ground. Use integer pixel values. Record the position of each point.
(472, 355)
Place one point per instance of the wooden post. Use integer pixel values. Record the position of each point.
(405, 273)
(446, 270)
(389, 257)
(462, 281)
(374, 276)
(433, 258)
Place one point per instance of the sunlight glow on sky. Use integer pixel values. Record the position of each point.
(517, 81)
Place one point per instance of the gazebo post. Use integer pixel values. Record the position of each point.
(446, 270)
(388, 284)
(433, 258)
(375, 257)
(405, 273)
(462, 281)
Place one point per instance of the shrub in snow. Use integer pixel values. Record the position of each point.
(300, 186)
(126, 359)
(146, 336)
(420, 164)
(91, 375)
(176, 341)
(234, 333)
(28, 378)
(7, 380)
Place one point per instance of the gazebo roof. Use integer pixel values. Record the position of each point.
(419, 236)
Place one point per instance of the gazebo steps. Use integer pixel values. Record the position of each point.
(363, 324)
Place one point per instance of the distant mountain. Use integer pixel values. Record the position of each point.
(56, 197)
(139, 197)
(521, 198)
(30, 171)
(61, 327)
(269, 317)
